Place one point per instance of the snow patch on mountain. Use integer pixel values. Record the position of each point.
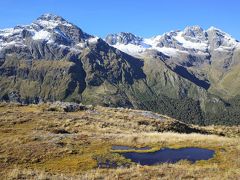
(93, 40)
(130, 48)
(8, 32)
(190, 45)
(5, 44)
(42, 35)
(169, 51)
(152, 42)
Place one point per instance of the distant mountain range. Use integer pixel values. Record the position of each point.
(208, 55)
(192, 75)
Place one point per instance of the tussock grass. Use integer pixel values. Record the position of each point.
(33, 147)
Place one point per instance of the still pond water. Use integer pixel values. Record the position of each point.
(167, 155)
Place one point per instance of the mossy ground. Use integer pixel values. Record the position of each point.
(34, 145)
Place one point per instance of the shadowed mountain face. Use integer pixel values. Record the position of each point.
(204, 57)
(182, 71)
(178, 73)
(52, 59)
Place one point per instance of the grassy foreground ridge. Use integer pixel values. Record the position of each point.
(42, 142)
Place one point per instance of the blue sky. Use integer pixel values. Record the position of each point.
(141, 17)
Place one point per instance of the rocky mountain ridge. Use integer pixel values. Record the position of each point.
(178, 73)
(192, 39)
(204, 57)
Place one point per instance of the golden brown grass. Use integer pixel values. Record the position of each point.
(33, 145)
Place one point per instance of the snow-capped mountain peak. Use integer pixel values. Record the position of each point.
(51, 21)
(123, 38)
(50, 29)
(127, 42)
(221, 40)
(194, 34)
(192, 40)
(51, 17)
(47, 31)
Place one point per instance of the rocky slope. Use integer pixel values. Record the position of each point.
(204, 57)
(53, 59)
(182, 74)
